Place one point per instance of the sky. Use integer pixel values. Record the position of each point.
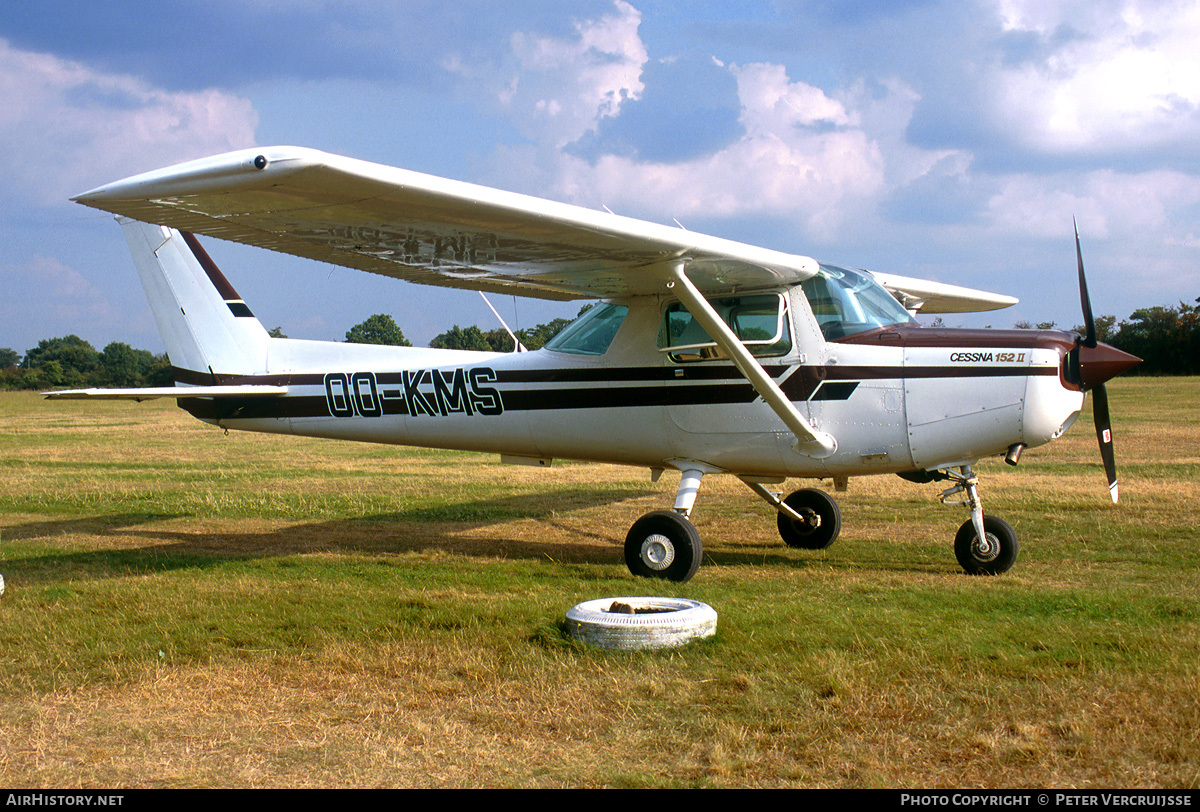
(952, 140)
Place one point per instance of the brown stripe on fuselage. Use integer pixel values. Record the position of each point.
(913, 336)
(909, 336)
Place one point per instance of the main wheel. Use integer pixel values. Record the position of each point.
(663, 544)
(822, 520)
(992, 556)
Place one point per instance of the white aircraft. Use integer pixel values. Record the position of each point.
(707, 356)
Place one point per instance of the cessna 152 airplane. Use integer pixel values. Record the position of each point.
(707, 356)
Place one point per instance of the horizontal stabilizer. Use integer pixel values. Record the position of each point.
(152, 392)
(923, 296)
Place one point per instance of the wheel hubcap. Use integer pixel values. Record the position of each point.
(986, 549)
(812, 520)
(658, 552)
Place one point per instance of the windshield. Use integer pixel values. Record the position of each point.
(846, 302)
(591, 333)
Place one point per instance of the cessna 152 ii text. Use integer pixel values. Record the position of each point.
(707, 356)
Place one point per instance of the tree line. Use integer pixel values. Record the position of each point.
(70, 362)
(1167, 339)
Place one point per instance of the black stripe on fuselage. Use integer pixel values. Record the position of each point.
(590, 375)
(713, 386)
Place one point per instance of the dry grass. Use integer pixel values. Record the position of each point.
(189, 609)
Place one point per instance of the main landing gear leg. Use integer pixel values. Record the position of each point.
(664, 543)
(984, 545)
(809, 519)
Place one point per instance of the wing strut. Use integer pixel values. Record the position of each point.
(809, 441)
(517, 345)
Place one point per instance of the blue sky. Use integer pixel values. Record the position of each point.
(951, 140)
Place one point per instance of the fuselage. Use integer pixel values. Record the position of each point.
(896, 398)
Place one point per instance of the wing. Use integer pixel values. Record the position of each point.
(431, 230)
(919, 295)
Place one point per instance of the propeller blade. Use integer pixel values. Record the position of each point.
(1104, 435)
(1089, 322)
(1097, 364)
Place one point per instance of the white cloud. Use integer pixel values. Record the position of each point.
(1107, 204)
(812, 157)
(803, 157)
(771, 103)
(66, 128)
(565, 86)
(1119, 76)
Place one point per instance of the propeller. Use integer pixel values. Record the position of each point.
(1096, 363)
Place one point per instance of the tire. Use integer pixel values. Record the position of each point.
(814, 504)
(661, 622)
(1000, 553)
(663, 544)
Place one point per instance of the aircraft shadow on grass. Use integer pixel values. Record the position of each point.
(420, 529)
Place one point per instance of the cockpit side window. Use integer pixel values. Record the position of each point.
(846, 302)
(760, 321)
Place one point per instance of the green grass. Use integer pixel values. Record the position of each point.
(190, 609)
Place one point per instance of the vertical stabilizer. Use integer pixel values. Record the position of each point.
(206, 326)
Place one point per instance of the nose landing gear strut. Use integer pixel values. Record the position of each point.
(984, 545)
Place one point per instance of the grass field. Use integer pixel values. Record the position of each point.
(186, 608)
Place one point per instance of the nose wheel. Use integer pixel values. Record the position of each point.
(993, 554)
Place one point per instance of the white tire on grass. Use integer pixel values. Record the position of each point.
(659, 622)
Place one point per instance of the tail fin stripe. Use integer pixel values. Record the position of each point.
(236, 306)
(214, 273)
